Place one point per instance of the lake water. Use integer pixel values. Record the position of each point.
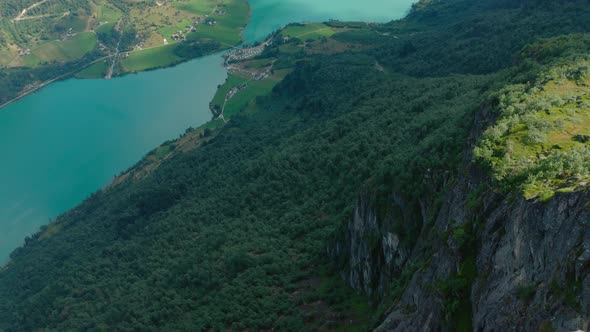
(270, 15)
(69, 140)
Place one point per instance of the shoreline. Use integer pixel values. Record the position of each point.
(70, 75)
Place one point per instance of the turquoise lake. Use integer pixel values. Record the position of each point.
(270, 15)
(69, 140)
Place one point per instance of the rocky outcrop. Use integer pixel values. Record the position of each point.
(534, 266)
(370, 248)
(531, 259)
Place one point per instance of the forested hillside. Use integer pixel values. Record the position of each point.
(248, 228)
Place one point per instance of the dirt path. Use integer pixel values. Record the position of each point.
(90, 23)
(20, 16)
(42, 16)
(34, 17)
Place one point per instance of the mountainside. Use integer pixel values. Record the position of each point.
(430, 175)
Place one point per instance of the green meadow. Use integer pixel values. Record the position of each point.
(32, 60)
(220, 33)
(226, 31)
(249, 94)
(167, 32)
(66, 50)
(308, 31)
(231, 82)
(228, 27)
(151, 58)
(97, 70)
(75, 22)
(106, 14)
(199, 7)
(105, 28)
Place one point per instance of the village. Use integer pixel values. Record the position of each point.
(239, 54)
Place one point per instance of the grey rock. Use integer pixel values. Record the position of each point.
(543, 246)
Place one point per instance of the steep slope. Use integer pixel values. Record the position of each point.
(504, 245)
(480, 259)
(234, 233)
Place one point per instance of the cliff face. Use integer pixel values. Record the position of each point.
(533, 264)
(371, 246)
(531, 259)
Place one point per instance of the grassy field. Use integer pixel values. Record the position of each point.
(107, 14)
(236, 14)
(32, 60)
(105, 28)
(153, 22)
(167, 32)
(39, 26)
(293, 51)
(257, 64)
(75, 22)
(222, 34)
(308, 31)
(159, 23)
(66, 50)
(229, 25)
(6, 57)
(540, 139)
(65, 35)
(254, 89)
(97, 70)
(231, 82)
(151, 58)
(198, 7)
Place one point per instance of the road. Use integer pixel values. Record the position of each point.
(20, 16)
(117, 52)
(42, 85)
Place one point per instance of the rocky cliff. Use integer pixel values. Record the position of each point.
(482, 260)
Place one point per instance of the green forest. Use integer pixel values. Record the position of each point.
(233, 234)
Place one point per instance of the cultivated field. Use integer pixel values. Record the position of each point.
(35, 33)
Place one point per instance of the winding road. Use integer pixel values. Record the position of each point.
(21, 17)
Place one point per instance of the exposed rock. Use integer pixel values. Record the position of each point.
(532, 258)
(370, 249)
